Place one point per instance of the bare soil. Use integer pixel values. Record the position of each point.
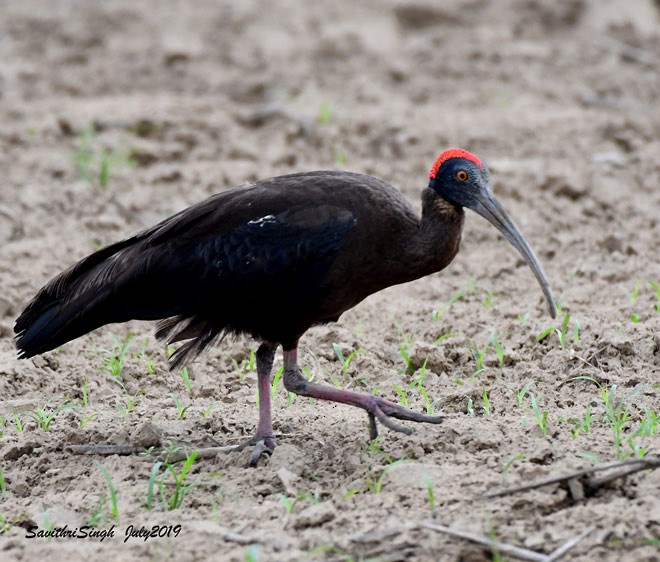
(560, 99)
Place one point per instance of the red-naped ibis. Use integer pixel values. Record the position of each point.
(270, 259)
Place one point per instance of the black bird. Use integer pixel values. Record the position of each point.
(271, 259)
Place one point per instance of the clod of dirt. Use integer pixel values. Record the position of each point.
(146, 435)
(414, 475)
(314, 516)
(287, 478)
(289, 457)
(15, 452)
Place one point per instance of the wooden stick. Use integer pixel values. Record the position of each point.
(564, 548)
(633, 465)
(509, 549)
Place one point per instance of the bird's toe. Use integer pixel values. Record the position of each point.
(262, 447)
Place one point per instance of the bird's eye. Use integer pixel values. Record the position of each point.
(461, 175)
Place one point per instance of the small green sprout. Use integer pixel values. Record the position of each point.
(180, 408)
(562, 332)
(171, 499)
(486, 400)
(111, 488)
(540, 416)
(185, 376)
(456, 296)
(656, 288)
(520, 394)
(325, 113)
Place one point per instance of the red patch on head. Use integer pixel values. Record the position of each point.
(453, 153)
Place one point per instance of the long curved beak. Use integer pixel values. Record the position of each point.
(488, 207)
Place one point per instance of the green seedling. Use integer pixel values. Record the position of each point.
(489, 299)
(616, 415)
(522, 318)
(486, 401)
(418, 381)
(93, 164)
(498, 349)
(3, 426)
(509, 464)
(444, 337)
(495, 554)
(185, 376)
(634, 318)
(43, 417)
(126, 407)
(430, 493)
(85, 394)
(340, 158)
(174, 499)
(180, 408)
(375, 485)
(479, 356)
(3, 484)
(429, 405)
(99, 515)
(541, 417)
(562, 331)
(111, 488)
(144, 356)
(405, 354)
(113, 360)
(582, 425)
(470, 407)
(206, 412)
(635, 292)
(656, 288)
(276, 381)
(591, 457)
(374, 449)
(245, 367)
(520, 394)
(325, 113)
(46, 522)
(648, 427)
(86, 420)
(252, 553)
(456, 296)
(403, 396)
(289, 503)
(18, 423)
(345, 361)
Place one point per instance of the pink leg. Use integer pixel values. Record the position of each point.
(376, 407)
(263, 440)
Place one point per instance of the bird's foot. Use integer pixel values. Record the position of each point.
(263, 444)
(383, 410)
(377, 408)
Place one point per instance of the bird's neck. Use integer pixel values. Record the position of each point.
(440, 232)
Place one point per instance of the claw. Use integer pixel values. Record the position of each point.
(262, 445)
(383, 410)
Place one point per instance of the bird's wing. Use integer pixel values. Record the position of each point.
(237, 279)
(208, 259)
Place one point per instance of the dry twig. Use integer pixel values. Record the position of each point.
(630, 466)
(509, 549)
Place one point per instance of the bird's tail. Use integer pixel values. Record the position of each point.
(75, 302)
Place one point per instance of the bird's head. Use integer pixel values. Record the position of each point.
(460, 178)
